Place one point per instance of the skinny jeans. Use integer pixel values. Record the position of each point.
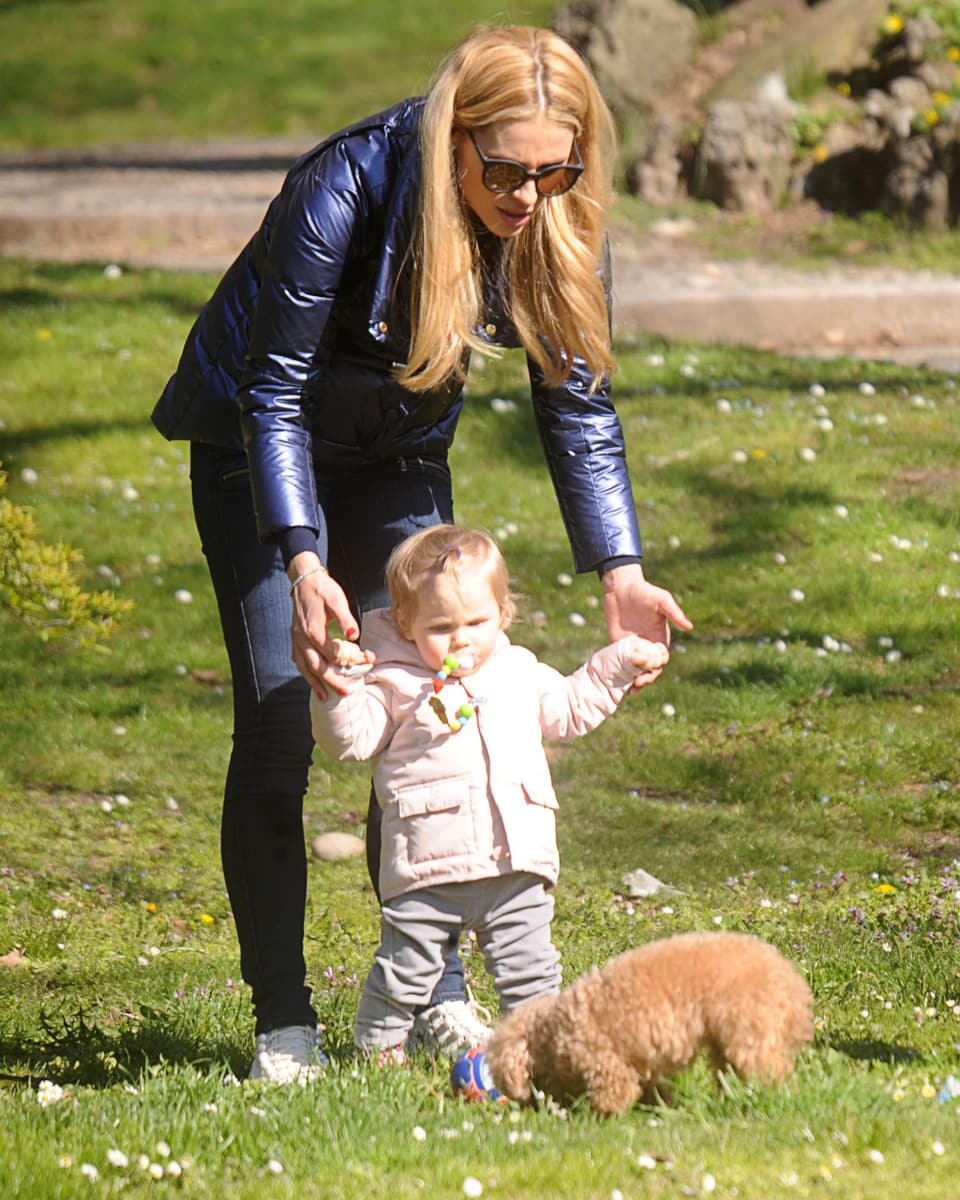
(367, 512)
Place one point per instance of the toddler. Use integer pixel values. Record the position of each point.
(453, 716)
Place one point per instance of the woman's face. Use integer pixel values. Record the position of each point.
(534, 143)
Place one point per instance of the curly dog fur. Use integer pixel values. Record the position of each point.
(616, 1033)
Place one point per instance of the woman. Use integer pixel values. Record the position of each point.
(320, 388)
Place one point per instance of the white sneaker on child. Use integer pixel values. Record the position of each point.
(291, 1054)
(451, 1028)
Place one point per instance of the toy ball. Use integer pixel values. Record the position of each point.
(470, 1078)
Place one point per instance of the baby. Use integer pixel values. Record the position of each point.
(453, 716)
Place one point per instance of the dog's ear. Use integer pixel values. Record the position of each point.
(508, 1052)
(510, 1066)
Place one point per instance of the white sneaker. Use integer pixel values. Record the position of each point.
(288, 1055)
(451, 1028)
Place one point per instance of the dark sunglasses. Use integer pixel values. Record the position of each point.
(504, 175)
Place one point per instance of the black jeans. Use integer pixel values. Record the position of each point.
(262, 841)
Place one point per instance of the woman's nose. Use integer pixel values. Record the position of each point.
(527, 193)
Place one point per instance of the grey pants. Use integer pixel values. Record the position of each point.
(511, 915)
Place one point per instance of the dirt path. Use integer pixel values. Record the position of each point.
(191, 207)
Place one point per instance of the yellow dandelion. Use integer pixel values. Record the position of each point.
(150, 905)
(843, 88)
(931, 116)
(207, 919)
(44, 335)
(820, 153)
(885, 889)
(940, 99)
(954, 54)
(892, 24)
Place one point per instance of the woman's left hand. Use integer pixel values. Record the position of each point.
(632, 605)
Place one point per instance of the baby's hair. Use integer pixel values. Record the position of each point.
(446, 550)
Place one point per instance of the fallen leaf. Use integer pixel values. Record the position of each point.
(210, 678)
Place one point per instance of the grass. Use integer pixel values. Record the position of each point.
(793, 775)
(801, 235)
(78, 74)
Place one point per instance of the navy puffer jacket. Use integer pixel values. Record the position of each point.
(292, 356)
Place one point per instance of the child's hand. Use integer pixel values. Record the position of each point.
(648, 656)
(350, 659)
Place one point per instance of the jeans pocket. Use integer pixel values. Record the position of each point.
(232, 473)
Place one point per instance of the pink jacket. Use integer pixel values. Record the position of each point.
(479, 802)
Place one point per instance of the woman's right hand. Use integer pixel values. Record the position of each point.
(318, 600)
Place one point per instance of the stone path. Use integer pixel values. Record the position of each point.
(191, 207)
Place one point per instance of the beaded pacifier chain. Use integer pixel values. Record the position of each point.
(464, 712)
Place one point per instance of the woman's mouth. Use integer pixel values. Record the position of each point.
(515, 220)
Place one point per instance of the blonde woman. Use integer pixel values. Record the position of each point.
(320, 388)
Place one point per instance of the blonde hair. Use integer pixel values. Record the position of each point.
(556, 298)
(446, 550)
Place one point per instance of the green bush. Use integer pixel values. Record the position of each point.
(38, 582)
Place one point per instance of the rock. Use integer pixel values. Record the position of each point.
(742, 161)
(772, 91)
(655, 177)
(331, 847)
(918, 33)
(883, 115)
(923, 183)
(641, 883)
(831, 36)
(937, 76)
(910, 92)
(634, 47)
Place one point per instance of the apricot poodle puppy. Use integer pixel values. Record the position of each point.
(617, 1033)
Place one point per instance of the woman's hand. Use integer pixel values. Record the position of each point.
(632, 605)
(318, 600)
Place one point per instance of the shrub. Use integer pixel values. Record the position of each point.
(38, 582)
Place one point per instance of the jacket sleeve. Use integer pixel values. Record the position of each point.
(583, 442)
(311, 234)
(576, 704)
(355, 727)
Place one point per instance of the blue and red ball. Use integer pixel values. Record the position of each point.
(470, 1078)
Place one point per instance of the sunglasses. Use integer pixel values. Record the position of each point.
(504, 175)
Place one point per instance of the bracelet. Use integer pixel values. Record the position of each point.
(303, 574)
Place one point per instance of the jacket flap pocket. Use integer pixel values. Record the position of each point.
(445, 795)
(541, 792)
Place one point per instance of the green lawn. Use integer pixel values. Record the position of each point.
(83, 72)
(793, 775)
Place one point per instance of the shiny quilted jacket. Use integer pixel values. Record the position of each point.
(292, 355)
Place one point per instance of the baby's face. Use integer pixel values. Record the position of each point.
(455, 617)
